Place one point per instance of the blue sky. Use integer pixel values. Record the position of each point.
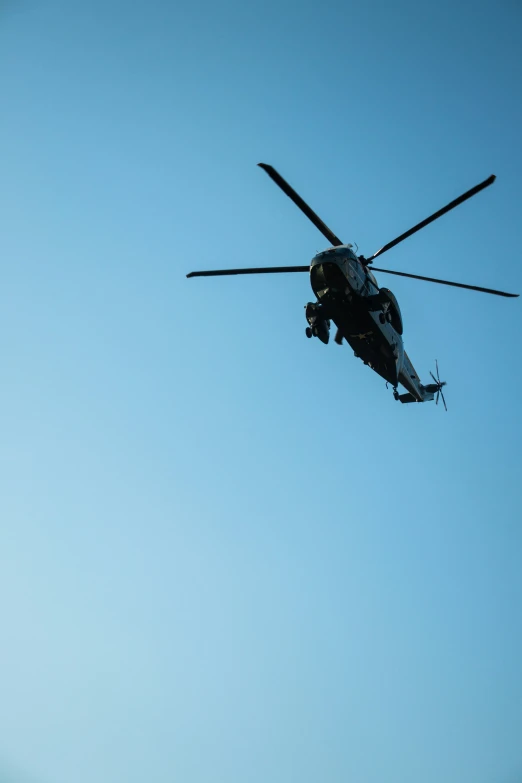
(226, 553)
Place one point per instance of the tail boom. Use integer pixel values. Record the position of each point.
(416, 391)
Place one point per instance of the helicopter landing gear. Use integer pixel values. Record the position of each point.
(395, 393)
(385, 316)
(318, 322)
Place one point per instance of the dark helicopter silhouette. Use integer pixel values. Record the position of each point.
(347, 293)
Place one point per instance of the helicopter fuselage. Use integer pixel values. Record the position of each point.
(367, 317)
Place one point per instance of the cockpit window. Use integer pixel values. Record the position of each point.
(372, 278)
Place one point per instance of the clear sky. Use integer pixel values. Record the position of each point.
(226, 553)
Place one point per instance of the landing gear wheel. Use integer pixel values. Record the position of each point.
(382, 318)
(308, 332)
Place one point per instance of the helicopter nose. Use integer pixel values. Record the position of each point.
(326, 275)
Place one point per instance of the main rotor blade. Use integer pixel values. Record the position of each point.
(444, 282)
(303, 206)
(443, 400)
(487, 182)
(252, 271)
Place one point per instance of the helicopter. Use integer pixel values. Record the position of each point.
(367, 317)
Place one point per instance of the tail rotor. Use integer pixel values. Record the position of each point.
(439, 384)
